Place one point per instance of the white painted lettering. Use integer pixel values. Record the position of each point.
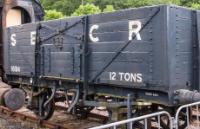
(139, 78)
(121, 76)
(134, 28)
(92, 38)
(33, 37)
(112, 76)
(128, 77)
(13, 40)
(15, 69)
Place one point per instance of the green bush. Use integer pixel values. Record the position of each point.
(195, 6)
(53, 14)
(86, 9)
(109, 8)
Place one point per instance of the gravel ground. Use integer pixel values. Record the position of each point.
(8, 123)
(59, 117)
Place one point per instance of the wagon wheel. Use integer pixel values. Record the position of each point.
(45, 112)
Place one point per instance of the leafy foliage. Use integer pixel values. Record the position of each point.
(67, 7)
(188, 2)
(195, 5)
(74, 7)
(86, 9)
(122, 4)
(53, 14)
(109, 8)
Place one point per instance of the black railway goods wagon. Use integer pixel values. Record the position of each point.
(150, 54)
(17, 12)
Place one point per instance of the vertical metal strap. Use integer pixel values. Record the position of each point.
(43, 61)
(195, 46)
(37, 55)
(85, 55)
(198, 43)
(73, 60)
(49, 56)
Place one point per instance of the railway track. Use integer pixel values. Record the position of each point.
(60, 120)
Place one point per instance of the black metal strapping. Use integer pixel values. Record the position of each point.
(122, 48)
(85, 56)
(58, 32)
(37, 56)
(198, 43)
(195, 52)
